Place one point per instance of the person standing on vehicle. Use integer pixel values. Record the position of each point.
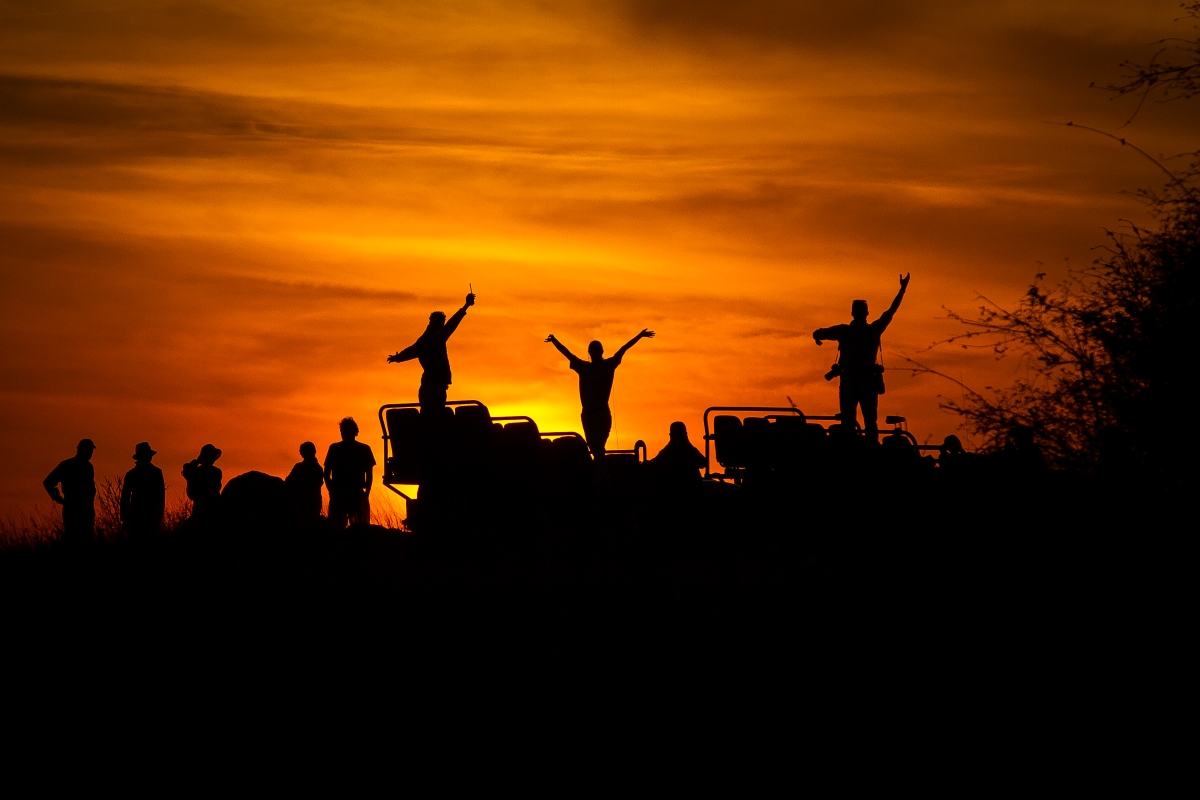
(861, 377)
(349, 472)
(595, 387)
(143, 494)
(77, 477)
(430, 351)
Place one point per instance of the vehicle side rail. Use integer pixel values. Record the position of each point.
(708, 433)
(387, 439)
(638, 449)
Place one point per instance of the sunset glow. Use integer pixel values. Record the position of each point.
(219, 218)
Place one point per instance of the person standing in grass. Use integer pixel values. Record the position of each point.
(349, 472)
(143, 494)
(77, 477)
(203, 478)
(304, 482)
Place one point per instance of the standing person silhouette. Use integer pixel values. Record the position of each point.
(858, 342)
(595, 387)
(78, 498)
(204, 483)
(349, 472)
(143, 494)
(304, 482)
(430, 351)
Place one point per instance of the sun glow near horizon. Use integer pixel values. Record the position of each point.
(219, 218)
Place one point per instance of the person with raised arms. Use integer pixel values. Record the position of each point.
(430, 351)
(595, 387)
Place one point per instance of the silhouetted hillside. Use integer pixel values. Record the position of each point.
(763, 606)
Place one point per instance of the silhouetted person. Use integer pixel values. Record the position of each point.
(143, 494)
(678, 465)
(204, 483)
(77, 477)
(595, 387)
(1021, 452)
(858, 342)
(349, 471)
(430, 351)
(304, 482)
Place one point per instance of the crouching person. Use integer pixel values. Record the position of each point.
(349, 471)
(677, 466)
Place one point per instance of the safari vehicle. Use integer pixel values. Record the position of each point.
(470, 459)
(761, 443)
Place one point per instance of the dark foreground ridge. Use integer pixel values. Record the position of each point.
(795, 564)
(987, 606)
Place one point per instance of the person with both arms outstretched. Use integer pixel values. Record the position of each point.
(595, 387)
(861, 378)
(430, 351)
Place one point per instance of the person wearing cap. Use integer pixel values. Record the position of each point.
(143, 494)
(77, 477)
(304, 482)
(204, 483)
(861, 377)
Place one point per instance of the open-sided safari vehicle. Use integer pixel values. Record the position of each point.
(770, 443)
(467, 459)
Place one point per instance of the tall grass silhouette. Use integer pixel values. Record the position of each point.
(41, 526)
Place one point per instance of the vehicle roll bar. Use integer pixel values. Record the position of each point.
(387, 438)
(708, 436)
(383, 424)
(638, 449)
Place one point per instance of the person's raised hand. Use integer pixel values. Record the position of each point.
(904, 280)
(393, 358)
(551, 338)
(471, 299)
(647, 333)
(818, 339)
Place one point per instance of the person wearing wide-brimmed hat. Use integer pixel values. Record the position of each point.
(77, 477)
(204, 483)
(143, 494)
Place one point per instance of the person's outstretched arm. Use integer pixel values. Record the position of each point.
(885, 318)
(452, 323)
(407, 354)
(552, 339)
(645, 334)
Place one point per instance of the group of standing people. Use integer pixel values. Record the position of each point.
(348, 470)
(347, 474)
(595, 375)
(861, 374)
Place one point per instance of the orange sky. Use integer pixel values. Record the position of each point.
(219, 218)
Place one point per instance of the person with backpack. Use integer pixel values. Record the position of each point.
(861, 375)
